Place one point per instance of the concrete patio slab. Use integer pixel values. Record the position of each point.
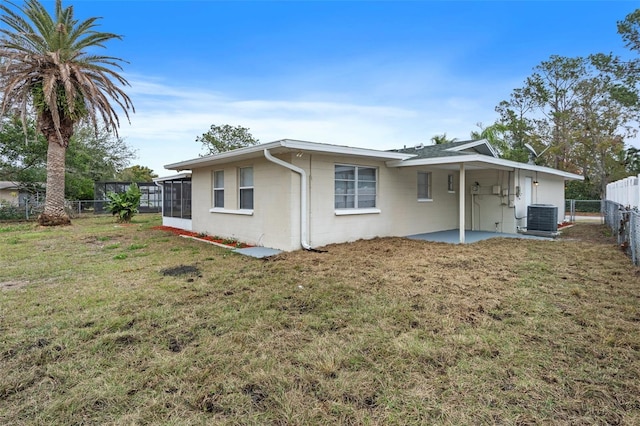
(452, 236)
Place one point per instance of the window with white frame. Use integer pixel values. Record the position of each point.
(218, 189)
(450, 184)
(246, 188)
(424, 186)
(355, 187)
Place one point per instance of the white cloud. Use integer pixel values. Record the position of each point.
(169, 118)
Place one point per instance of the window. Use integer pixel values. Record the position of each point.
(218, 189)
(424, 186)
(450, 187)
(355, 187)
(246, 188)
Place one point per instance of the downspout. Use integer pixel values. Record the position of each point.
(303, 196)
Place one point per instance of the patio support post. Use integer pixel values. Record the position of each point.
(461, 206)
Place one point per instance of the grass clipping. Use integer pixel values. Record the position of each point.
(152, 328)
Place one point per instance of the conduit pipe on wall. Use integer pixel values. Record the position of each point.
(303, 196)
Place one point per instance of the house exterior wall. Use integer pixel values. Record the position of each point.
(413, 216)
(276, 203)
(507, 210)
(275, 219)
(550, 190)
(489, 201)
(400, 213)
(9, 196)
(325, 226)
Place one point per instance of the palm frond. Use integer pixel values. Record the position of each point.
(48, 62)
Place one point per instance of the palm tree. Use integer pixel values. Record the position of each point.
(47, 65)
(442, 139)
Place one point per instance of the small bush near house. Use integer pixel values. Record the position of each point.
(124, 205)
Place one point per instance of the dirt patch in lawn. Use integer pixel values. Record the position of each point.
(182, 270)
(600, 234)
(13, 285)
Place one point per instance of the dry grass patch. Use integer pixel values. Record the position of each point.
(134, 326)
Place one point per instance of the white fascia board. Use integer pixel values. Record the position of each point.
(344, 150)
(222, 157)
(257, 150)
(483, 159)
(173, 177)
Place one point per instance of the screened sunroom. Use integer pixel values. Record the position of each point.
(176, 200)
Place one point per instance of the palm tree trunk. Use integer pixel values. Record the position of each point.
(54, 213)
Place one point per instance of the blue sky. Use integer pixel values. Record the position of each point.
(367, 74)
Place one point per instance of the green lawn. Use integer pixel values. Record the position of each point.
(109, 324)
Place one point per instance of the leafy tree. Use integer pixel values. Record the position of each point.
(91, 157)
(578, 113)
(518, 124)
(629, 29)
(48, 64)
(225, 138)
(136, 173)
(22, 157)
(498, 135)
(632, 161)
(441, 139)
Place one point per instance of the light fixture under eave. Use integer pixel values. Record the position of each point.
(535, 182)
(299, 154)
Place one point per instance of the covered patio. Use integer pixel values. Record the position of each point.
(452, 236)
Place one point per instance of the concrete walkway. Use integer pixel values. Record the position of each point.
(258, 252)
(452, 236)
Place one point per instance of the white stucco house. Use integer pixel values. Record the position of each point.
(292, 194)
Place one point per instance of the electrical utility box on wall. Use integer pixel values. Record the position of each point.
(542, 217)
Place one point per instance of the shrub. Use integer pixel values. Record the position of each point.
(124, 205)
(10, 211)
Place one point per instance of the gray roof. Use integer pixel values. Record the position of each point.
(441, 150)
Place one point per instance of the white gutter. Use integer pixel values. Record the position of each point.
(303, 195)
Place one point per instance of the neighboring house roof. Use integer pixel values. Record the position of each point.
(478, 154)
(4, 185)
(173, 177)
(8, 185)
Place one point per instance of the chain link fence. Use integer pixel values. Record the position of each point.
(29, 209)
(625, 224)
(583, 211)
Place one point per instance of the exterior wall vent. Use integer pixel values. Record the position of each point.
(542, 217)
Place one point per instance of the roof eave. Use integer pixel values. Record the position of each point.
(289, 144)
(478, 158)
(161, 179)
